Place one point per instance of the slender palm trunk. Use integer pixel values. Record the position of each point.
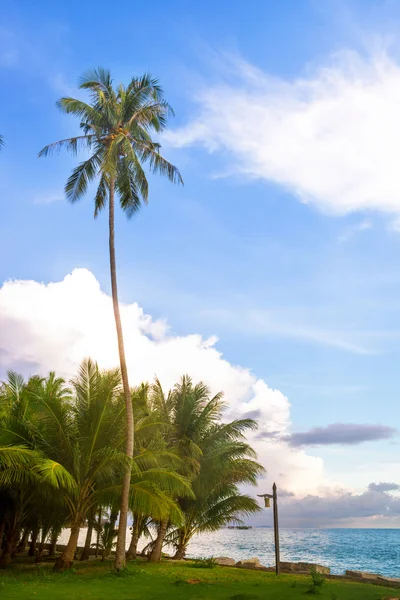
(66, 559)
(155, 555)
(6, 556)
(132, 551)
(113, 519)
(23, 541)
(32, 545)
(181, 548)
(53, 543)
(2, 527)
(120, 560)
(88, 541)
(98, 531)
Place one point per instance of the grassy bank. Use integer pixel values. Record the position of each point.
(95, 581)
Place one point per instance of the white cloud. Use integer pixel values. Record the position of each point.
(54, 326)
(331, 137)
(48, 198)
(351, 232)
(281, 323)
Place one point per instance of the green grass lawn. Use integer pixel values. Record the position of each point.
(95, 581)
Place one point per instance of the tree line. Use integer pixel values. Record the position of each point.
(62, 461)
(116, 128)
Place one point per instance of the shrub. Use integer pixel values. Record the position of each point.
(317, 581)
(204, 563)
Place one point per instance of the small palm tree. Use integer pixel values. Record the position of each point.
(227, 462)
(187, 410)
(106, 540)
(78, 430)
(217, 460)
(116, 129)
(29, 481)
(1, 141)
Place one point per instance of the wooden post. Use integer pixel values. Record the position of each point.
(276, 530)
(274, 497)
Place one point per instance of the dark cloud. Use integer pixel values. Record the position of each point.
(383, 487)
(341, 433)
(285, 494)
(252, 414)
(337, 510)
(270, 435)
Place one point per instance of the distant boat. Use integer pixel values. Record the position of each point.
(240, 527)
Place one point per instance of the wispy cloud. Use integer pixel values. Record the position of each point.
(331, 137)
(48, 197)
(303, 327)
(351, 232)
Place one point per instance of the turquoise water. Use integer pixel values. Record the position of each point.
(372, 550)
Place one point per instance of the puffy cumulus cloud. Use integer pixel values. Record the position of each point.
(53, 326)
(330, 137)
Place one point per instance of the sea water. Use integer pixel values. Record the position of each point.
(372, 550)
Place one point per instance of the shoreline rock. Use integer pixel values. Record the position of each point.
(224, 561)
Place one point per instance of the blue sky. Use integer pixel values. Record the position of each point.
(299, 279)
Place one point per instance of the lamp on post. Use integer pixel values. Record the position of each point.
(267, 498)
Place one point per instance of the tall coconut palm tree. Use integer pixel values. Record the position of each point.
(116, 130)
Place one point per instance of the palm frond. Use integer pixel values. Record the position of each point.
(73, 145)
(80, 178)
(55, 475)
(94, 79)
(100, 198)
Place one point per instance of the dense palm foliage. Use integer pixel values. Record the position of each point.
(62, 458)
(216, 459)
(117, 125)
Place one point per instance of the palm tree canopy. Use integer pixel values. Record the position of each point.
(116, 126)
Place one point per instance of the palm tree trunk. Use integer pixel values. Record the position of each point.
(6, 556)
(182, 546)
(98, 530)
(40, 550)
(53, 543)
(88, 541)
(2, 527)
(132, 551)
(66, 559)
(120, 560)
(24, 538)
(32, 546)
(113, 519)
(155, 555)
(15, 542)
